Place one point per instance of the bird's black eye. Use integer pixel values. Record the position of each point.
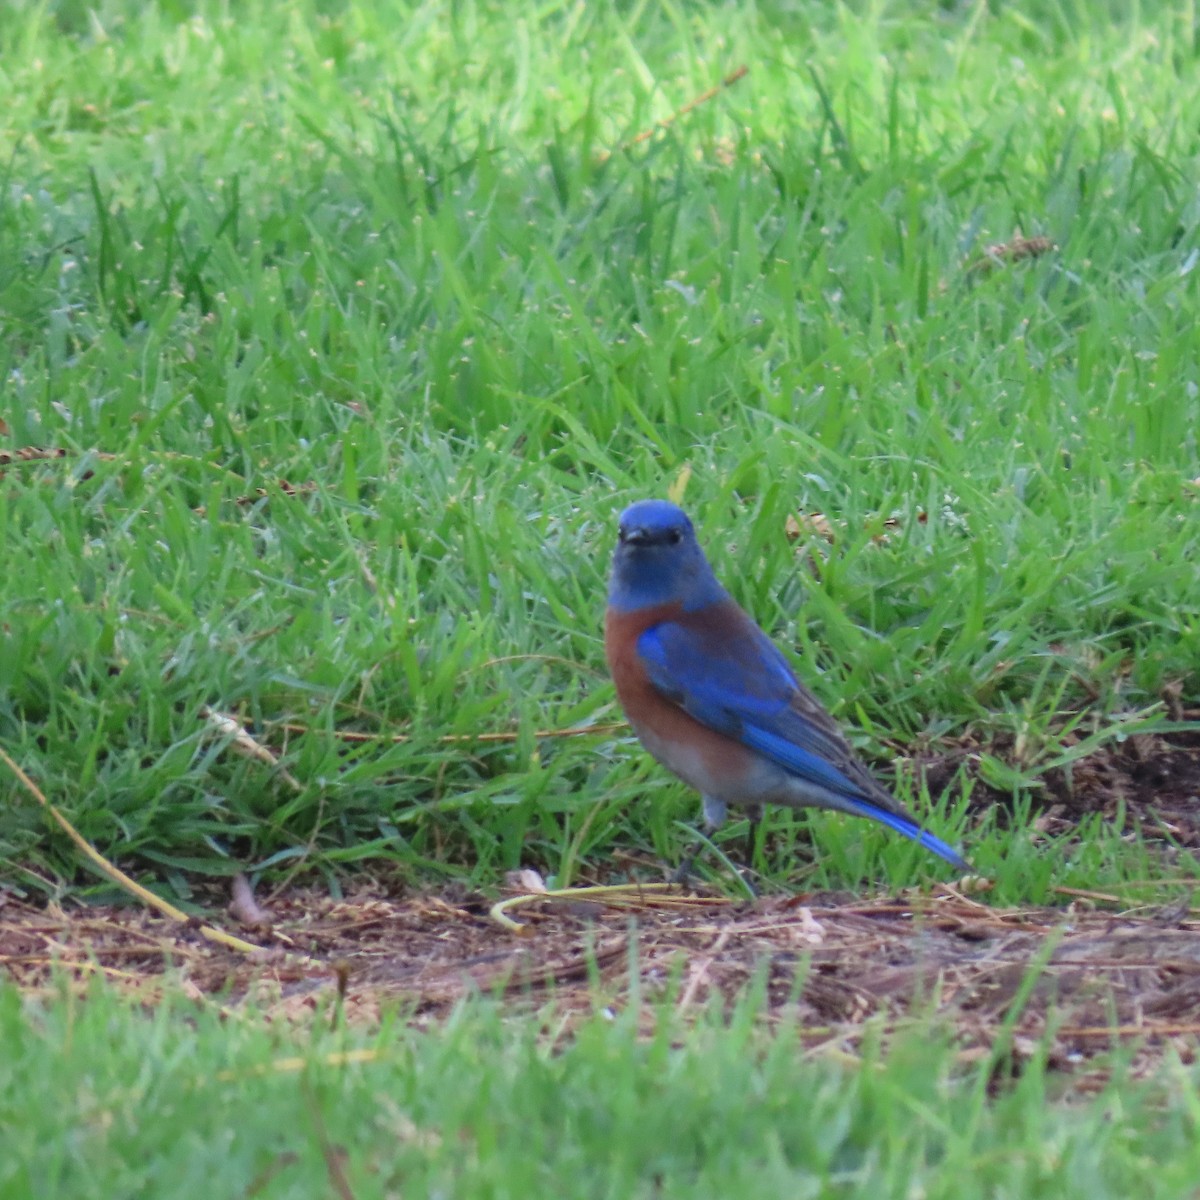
(675, 537)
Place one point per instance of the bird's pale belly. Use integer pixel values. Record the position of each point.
(732, 774)
(716, 766)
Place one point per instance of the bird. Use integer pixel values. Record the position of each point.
(714, 700)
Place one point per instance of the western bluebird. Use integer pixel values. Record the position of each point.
(713, 699)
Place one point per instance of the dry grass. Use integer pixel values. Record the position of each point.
(1069, 982)
(1085, 980)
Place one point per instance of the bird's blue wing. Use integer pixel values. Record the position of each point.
(724, 671)
(729, 675)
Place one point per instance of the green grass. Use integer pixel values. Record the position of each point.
(379, 247)
(382, 249)
(101, 1101)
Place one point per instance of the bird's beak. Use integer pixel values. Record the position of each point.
(634, 536)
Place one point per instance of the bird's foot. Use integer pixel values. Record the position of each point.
(683, 873)
(744, 876)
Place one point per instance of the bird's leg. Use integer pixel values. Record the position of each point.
(754, 814)
(684, 870)
(715, 813)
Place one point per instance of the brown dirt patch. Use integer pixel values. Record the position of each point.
(1075, 980)
(831, 963)
(1149, 780)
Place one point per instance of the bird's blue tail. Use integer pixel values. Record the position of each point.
(911, 830)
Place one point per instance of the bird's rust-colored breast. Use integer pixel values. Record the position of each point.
(621, 632)
(708, 760)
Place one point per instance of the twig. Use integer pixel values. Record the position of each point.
(147, 897)
(666, 122)
(241, 742)
(25, 455)
(335, 1156)
(1000, 253)
(31, 454)
(355, 737)
(699, 971)
(1128, 1030)
(621, 895)
(302, 860)
(1084, 894)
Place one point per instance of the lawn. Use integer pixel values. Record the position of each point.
(333, 338)
(185, 1104)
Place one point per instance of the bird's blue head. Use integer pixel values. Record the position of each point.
(659, 561)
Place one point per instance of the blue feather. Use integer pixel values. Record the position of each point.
(700, 651)
(911, 830)
(812, 767)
